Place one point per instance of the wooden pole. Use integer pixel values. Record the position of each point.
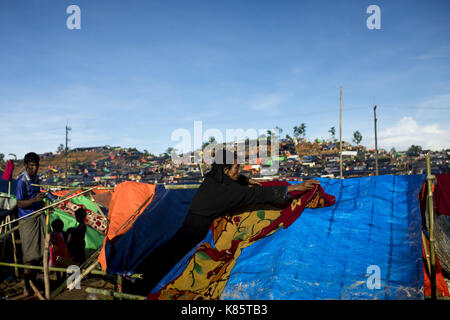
(98, 208)
(13, 237)
(119, 285)
(430, 179)
(115, 294)
(340, 137)
(46, 256)
(24, 266)
(36, 291)
(376, 141)
(77, 280)
(82, 275)
(427, 252)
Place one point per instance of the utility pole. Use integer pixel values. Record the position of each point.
(376, 144)
(340, 137)
(67, 151)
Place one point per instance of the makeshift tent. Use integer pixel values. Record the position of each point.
(372, 233)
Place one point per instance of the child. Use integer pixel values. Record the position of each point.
(75, 241)
(58, 245)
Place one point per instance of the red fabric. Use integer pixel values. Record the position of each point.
(291, 213)
(7, 174)
(441, 195)
(295, 208)
(440, 281)
(58, 247)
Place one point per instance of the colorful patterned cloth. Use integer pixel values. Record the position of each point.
(93, 219)
(209, 268)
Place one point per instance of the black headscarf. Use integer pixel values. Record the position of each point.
(217, 170)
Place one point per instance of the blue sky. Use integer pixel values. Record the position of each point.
(138, 70)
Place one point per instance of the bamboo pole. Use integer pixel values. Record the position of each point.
(24, 266)
(46, 256)
(36, 291)
(427, 252)
(182, 186)
(340, 136)
(430, 179)
(376, 141)
(35, 213)
(119, 285)
(75, 283)
(82, 275)
(13, 237)
(49, 186)
(91, 258)
(98, 208)
(110, 293)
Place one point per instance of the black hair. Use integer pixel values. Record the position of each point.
(223, 159)
(57, 225)
(31, 157)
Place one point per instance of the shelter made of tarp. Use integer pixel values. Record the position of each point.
(373, 232)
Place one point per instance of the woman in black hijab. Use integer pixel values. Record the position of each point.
(222, 192)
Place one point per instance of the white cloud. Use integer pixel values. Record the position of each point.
(407, 132)
(268, 102)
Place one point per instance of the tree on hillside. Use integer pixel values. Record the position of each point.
(414, 150)
(288, 137)
(300, 131)
(332, 131)
(2, 158)
(60, 148)
(211, 140)
(357, 137)
(279, 130)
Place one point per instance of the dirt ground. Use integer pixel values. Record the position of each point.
(12, 289)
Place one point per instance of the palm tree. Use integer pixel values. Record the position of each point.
(332, 131)
(300, 131)
(357, 137)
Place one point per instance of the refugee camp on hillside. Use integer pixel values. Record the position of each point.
(223, 152)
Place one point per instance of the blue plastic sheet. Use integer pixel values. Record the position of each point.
(335, 252)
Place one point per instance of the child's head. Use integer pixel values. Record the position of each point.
(80, 215)
(57, 225)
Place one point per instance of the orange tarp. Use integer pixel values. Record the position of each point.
(126, 199)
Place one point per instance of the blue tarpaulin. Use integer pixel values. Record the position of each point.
(335, 252)
(370, 236)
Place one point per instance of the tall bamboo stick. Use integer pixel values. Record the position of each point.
(98, 208)
(16, 270)
(82, 275)
(45, 256)
(115, 294)
(340, 137)
(430, 179)
(24, 266)
(427, 252)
